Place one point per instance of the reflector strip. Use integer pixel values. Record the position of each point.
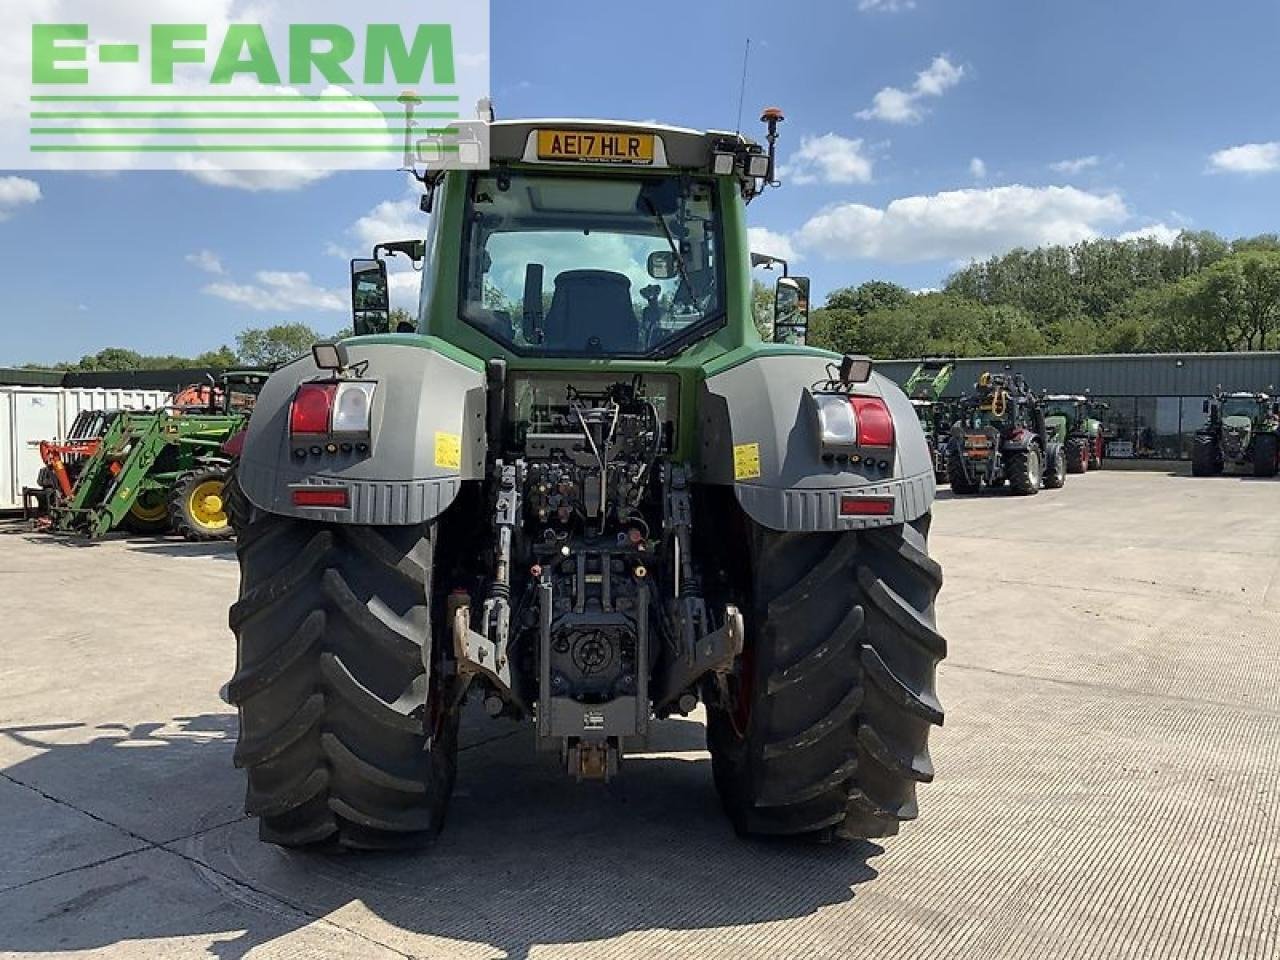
(332, 497)
(852, 506)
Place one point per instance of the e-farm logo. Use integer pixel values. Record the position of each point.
(255, 95)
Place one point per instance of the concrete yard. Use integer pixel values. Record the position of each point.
(1107, 778)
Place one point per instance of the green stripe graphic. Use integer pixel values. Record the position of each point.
(242, 98)
(227, 115)
(223, 148)
(239, 131)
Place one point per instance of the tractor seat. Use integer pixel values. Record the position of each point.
(591, 310)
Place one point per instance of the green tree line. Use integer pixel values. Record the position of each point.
(1197, 293)
(256, 347)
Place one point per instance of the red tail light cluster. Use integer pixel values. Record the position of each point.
(875, 424)
(312, 408)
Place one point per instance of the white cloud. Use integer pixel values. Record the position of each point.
(260, 181)
(206, 260)
(1159, 232)
(885, 6)
(959, 224)
(893, 105)
(766, 241)
(1076, 166)
(829, 158)
(17, 192)
(978, 168)
(389, 220)
(1247, 158)
(279, 291)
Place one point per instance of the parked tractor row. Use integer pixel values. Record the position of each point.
(148, 472)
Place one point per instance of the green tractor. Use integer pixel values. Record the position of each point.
(1070, 420)
(1001, 436)
(1242, 430)
(584, 494)
(925, 387)
(150, 472)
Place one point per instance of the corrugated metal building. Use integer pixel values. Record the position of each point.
(1155, 400)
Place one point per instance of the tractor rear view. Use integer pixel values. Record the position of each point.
(1001, 437)
(585, 495)
(1070, 420)
(1242, 431)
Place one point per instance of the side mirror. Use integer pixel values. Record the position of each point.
(1206, 407)
(791, 310)
(662, 265)
(370, 297)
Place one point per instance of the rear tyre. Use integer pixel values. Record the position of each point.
(1025, 471)
(197, 509)
(827, 735)
(149, 514)
(342, 727)
(958, 478)
(1077, 453)
(1265, 452)
(1055, 471)
(1204, 456)
(239, 509)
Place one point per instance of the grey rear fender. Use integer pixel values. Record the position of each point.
(759, 434)
(427, 436)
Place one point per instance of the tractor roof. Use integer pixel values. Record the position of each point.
(517, 140)
(1246, 395)
(1067, 396)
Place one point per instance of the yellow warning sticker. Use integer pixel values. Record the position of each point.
(449, 451)
(746, 461)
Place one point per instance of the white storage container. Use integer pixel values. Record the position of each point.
(30, 414)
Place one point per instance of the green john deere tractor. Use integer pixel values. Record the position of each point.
(586, 495)
(925, 387)
(1070, 420)
(153, 471)
(1242, 431)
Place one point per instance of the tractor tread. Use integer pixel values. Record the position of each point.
(840, 715)
(333, 716)
(343, 758)
(822, 655)
(803, 794)
(251, 752)
(904, 616)
(844, 649)
(918, 767)
(264, 803)
(262, 597)
(254, 677)
(921, 703)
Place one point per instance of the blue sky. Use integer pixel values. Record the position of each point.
(918, 135)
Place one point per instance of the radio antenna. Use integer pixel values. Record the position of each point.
(742, 91)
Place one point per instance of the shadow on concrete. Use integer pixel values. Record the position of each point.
(529, 858)
(219, 550)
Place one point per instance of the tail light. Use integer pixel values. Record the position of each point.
(875, 424)
(855, 506)
(331, 497)
(324, 408)
(352, 407)
(312, 408)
